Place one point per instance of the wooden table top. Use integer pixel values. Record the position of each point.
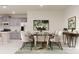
(71, 33)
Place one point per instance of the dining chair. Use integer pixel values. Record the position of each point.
(47, 41)
(26, 39)
(56, 40)
(1, 40)
(38, 39)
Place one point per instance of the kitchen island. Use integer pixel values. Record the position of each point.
(4, 37)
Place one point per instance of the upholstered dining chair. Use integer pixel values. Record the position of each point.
(41, 39)
(26, 39)
(1, 40)
(38, 39)
(56, 40)
(47, 41)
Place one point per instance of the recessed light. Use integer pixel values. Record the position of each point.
(4, 6)
(41, 5)
(13, 12)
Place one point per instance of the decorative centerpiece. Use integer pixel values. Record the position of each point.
(40, 28)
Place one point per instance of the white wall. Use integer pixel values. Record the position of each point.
(55, 18)
(70, 12)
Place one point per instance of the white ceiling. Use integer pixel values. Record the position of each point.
(19, 9)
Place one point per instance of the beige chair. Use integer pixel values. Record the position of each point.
(26, 38)
(56, 40)
(1, 40)
(47, 40)
(38, 39)
(35, 40)
(41, 39)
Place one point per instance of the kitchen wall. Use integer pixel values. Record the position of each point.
(56, 19)
(13, 22)
(70, 12)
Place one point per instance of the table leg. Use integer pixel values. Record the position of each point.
(69, 41)
(72, 41)
(64, 39)
(35, 43)
(47, 44)
(75, 41)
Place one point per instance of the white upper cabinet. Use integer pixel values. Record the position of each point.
(12, 21)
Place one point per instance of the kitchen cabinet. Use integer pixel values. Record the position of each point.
(12, 22)
(4, 37)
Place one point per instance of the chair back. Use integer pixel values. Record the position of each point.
(47, 38)
(26, 37)
(35, 38)
(23, 35)
(40, 38)
(57, 36)
(60, 33)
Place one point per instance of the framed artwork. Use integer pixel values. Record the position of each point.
(40, 25)
(72, 23)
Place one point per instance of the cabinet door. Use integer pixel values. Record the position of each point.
(15, 22)
(24, 20)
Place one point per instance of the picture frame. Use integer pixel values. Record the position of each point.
(72, 22)
(40, 25)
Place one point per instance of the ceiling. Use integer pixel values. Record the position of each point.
(19, 9)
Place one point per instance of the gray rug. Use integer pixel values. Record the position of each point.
(26, 50)
(40, 52)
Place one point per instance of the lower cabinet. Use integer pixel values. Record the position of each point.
(4, 37)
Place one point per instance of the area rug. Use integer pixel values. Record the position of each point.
(26, 50)
(40, 52)
(56, 50)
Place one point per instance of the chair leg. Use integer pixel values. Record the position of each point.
(24, 43)
(50, 44)
(60, 46)
(31, 45)
(47, 45)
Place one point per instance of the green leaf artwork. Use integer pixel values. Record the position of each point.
(40, 24)
(72, 22)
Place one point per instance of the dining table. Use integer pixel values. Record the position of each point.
(35, 38)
